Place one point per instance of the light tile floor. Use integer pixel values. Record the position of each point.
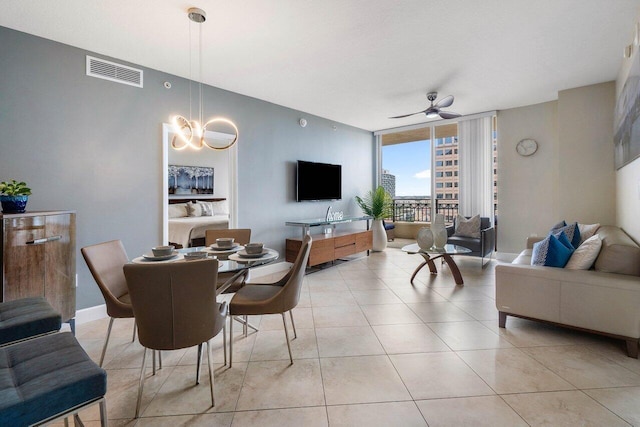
(375, 350)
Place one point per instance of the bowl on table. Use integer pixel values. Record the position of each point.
(195, 255)
(159, 251)
(224, 242)
(253, 248)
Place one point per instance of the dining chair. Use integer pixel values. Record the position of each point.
(272, 298)
(175, 308)
(241, 236)
(105, 261)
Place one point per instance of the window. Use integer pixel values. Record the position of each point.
(448, 163)
(439, 184)
(448, 173)
(438, 174)
(439, 152)
(448, 184)
(439, 163)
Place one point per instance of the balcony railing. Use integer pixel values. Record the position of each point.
(419, 210)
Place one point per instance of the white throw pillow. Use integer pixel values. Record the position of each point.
(467, 227)
(220, 207)
(195, 209)
(587, 230)
(586, 254)
(178, 210)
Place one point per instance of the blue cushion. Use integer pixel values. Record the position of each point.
(550, 252)
(559, 225)
(572, 231)
(25, 318)
(46, 376)
(562, 238)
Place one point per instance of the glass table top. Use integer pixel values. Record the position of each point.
(448, 249)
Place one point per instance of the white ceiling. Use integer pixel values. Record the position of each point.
(357, 61)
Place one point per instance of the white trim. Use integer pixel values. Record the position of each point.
(90, 314)
(434, 123)
(232, 198)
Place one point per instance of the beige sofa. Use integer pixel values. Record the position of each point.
(604, 300)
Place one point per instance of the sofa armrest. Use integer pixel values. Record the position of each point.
(450, 230)
(488, 240)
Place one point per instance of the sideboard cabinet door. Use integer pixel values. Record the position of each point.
(38, 259)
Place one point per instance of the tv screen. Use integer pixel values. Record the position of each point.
(318, 181)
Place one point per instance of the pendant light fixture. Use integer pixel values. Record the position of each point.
(189, 132)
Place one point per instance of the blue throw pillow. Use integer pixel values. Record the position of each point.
(572, 231)
(562, 238)
(550, 252)
(558, 225)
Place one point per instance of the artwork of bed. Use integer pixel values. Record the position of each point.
(188, 221)
(190, 180)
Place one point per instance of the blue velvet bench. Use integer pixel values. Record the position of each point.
(48, 378)
(27, 318)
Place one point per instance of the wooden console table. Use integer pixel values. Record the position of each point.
(331, 246)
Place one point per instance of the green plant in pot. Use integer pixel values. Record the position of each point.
(379, 205)
(14, 196)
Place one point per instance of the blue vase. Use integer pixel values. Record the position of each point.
(13, 204)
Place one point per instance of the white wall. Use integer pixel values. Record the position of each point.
(571, 177)
(527, 186)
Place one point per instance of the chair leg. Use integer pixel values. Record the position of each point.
(213, 402)
(295, 334)
(159, 359)
(230, 341)
(141, 384)
(134, 331)
(286, 334)
(245, 328)
(153, 369)
(103, 413)
(199, 363)
(106, 341)
(224, 342)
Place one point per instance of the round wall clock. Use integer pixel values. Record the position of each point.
(527, 147)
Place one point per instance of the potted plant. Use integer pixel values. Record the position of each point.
(14, 196)
(379, 205)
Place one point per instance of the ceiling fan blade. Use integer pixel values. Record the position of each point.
(407, 115)
(445, 102)
(448, 115)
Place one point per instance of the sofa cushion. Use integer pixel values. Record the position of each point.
(619, 253)
(585, 255)
(550, 252)
(467, 227)
(572, 231)
(27, 317)
(468, 242)
(524, 258)
(587, 230)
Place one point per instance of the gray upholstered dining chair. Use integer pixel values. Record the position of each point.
(272, 298)
(175, 307)
(241, 236)
(105, 261)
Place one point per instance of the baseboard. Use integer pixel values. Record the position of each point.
(90, 314)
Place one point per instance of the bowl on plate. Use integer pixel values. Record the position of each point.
(253, 248)
(224, 242)
(163, 250)
(195, 255)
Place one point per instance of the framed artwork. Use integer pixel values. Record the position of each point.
(627, 117)
(190, 180)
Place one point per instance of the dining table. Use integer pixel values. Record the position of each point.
(231, 260)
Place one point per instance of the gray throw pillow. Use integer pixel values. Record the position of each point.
(467, 227)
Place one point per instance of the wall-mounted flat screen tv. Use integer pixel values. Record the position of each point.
(318, 181)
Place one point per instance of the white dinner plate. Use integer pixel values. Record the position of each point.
(234, 247)
(152, 257)
(244, 254)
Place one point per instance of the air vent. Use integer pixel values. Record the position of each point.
(108, 70)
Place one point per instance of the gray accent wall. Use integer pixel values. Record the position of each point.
(95, 146)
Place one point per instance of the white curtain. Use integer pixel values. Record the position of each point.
(475, 157)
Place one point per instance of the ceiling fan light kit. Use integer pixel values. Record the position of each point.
(435, 110)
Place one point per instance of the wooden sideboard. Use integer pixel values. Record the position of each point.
(330, 247)
(38, 259)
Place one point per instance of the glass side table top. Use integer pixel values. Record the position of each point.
(448, 249)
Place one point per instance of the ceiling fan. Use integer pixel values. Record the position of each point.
(435, 110)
